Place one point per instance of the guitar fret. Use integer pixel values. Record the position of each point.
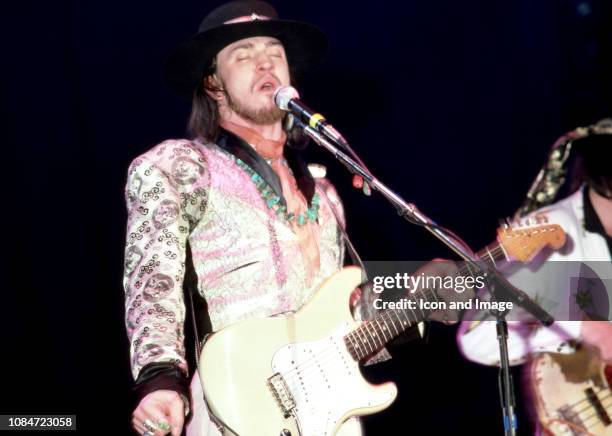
(403, 323)
(360, 345)
(381, 330)
(373, 336)
(368, 329)
(364, 337)
(466, 269)
(355, 348)
(388, 316)
(392, 332)
(498, 251)
(423, 296)
(387, 327)
(492, 258)
(480, 255)
(397, 331)
(411, 319)
(408, 321)
(379, 333)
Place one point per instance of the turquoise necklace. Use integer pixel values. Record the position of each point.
(273, 201)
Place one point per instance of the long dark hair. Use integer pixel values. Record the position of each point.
(592, 164)
(204, 118)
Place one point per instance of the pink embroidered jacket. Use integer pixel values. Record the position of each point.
(247, 258)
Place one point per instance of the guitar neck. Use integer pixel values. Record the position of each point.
(371, 336)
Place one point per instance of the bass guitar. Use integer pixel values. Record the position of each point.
(571, 393)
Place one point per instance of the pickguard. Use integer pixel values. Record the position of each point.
(325, 382)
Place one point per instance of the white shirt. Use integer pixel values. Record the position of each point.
(478, 340)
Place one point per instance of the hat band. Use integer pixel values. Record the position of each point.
(244, 18)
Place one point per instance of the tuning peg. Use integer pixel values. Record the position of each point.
(542, 218)
(503, 224)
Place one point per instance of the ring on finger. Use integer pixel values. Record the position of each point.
(163, 425)
(150, 426)
(148, 433)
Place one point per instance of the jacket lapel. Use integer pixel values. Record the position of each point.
(236, 146)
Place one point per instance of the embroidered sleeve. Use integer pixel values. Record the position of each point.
(166, 195)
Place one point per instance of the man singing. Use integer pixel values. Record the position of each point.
(261, 231)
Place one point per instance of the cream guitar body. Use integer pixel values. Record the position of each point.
(294, 374)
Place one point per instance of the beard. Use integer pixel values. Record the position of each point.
(262, 116)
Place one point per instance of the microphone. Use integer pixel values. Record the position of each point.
(288, 99)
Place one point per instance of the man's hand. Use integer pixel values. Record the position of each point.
(160, 413)
(444, 271)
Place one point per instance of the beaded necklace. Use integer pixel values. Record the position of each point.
(273, 201)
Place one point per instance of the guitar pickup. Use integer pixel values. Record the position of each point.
(281, 393)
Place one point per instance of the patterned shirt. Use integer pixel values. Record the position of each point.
(246, 257)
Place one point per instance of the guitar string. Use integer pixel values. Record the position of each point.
(313, 367)
(368, 338)
(571, 406)
(591, 416)
(596, 414)
(303, 370)
(306, 373)
(589, 426)
(495, 252)
(300, 370)
(310, 368)
(589, 403)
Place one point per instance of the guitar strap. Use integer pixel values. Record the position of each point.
(198, 317)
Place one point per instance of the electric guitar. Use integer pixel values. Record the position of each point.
(299, 374)
(571, 393)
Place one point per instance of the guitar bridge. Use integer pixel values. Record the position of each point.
(281, 393)
(567, 414)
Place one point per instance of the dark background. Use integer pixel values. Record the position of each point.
(453, 104)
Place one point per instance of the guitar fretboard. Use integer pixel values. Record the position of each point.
(371, 336)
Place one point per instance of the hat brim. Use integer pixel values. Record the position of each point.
(305, 46)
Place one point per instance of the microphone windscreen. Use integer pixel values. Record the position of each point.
(283, 95)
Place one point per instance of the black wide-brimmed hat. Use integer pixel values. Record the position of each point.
(304, 43)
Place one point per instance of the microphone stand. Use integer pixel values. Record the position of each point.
(498, 286)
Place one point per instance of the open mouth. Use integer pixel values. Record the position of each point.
(267, 85)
